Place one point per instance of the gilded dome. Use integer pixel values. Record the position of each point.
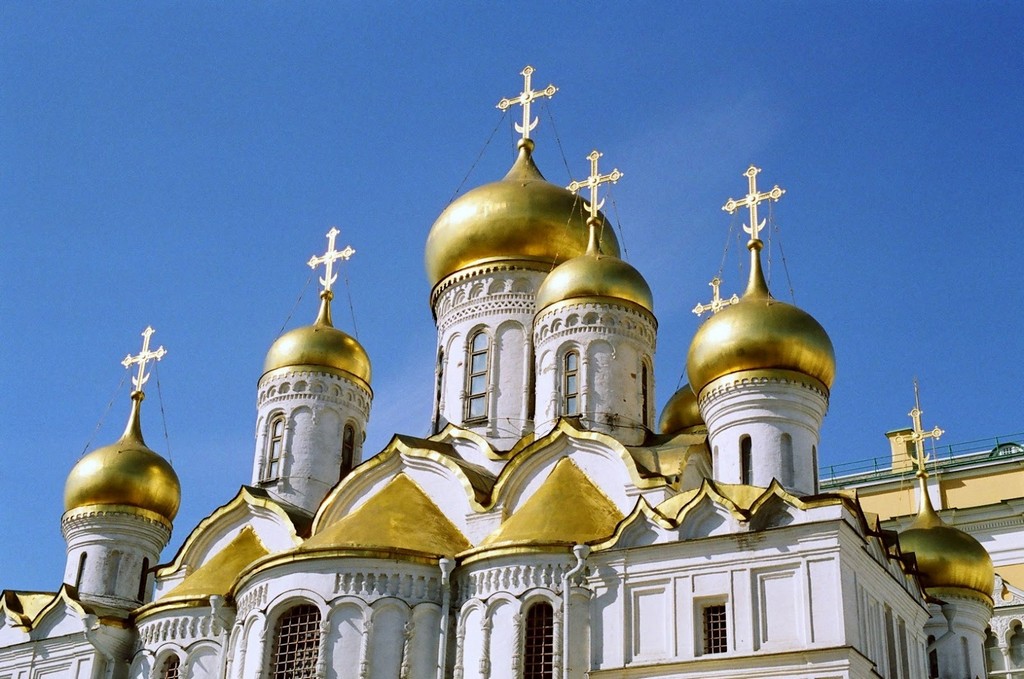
(520, 218)
(595, 275)
(127, 473)
(760, 333)
(320, 345)
(681, 412)
(947, 556)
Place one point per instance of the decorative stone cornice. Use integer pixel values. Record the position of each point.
(751, 379)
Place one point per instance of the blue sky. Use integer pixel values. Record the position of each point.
(176, 164)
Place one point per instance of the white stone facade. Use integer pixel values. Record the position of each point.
(497, 302)
(310, 427)
(614, 345)
(765, 425)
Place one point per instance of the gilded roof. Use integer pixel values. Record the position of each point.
(216, 575)
(401, 516)
(522, 218)
(567, 509)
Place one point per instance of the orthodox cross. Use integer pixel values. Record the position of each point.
(524, 99)
(593, 181)
(751, 201)
(143, 357)
(918, 435)
(717, 303)
(329, 258)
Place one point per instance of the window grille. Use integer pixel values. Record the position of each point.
(274, 448)
(476, 378)
(715, 629)
(539, 650)
(571, 384)
(171, 668)
(296, 644)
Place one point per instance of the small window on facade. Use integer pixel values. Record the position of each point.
(788, 468)
(933, 660)
(296, 644)
(348, 448)
(476, 377)
(438, 390)
(81, 570)
(275, 446)
(715, 628)
(746, 463)
(645, 398)
(143, 579)
(171, 669)
(539, 642)
(571, 384)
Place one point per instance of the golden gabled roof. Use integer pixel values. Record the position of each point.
(567, 509)
(216, 575)
(401, 516)
(23, 607)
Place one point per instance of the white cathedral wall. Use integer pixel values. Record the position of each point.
(614, 343)
(379, 616)
(782, 589)
(316, 405)
(766, 408)
(501, 303)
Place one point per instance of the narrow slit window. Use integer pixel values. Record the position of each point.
(571, 384)
(296, 644)
(476, 377)
(645, 396)
(715, 628)
(81, 570)
(746, 463)
(143, 579)
(539, 642)
(348, 448)
(275, 446)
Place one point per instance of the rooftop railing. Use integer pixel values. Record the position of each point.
(941, 458)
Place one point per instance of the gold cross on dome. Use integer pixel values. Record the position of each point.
(918, 435)
(593, 181)
(142, 358)
(752, 199)
(717, 303)
(329, 258)
(524, 99)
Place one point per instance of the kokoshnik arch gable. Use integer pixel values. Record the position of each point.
(548, 527)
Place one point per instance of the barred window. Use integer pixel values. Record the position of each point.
(171, 668)
(296, 644)
(539, 648)
(571, 384)
(716, 639)
(275, 445)
(476, 377)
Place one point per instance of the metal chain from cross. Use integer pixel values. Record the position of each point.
(329, 258)
(524, 99)
(751, 201)
(143, 357)
(593, 181)
(918, 435)
(717, 303)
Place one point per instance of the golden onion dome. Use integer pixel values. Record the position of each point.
(947, 557)
(521, 218)
(125, 473)
(594, 274)
(320, 345)
(681, 412)
(760, 333)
